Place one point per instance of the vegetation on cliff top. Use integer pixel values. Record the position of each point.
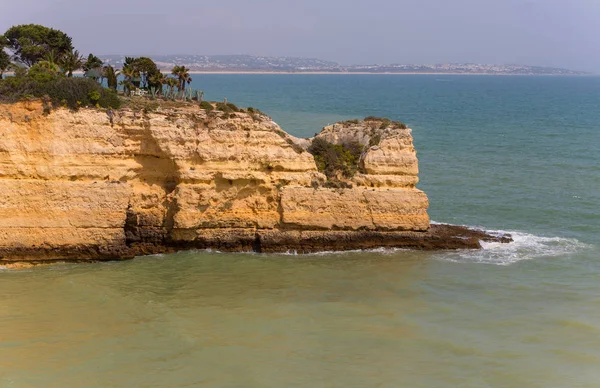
(336, 161)
(381, 123)
(31, 43)
(342, 159)
(43, 82)
(43, 62)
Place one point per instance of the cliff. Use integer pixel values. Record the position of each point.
(94, 185)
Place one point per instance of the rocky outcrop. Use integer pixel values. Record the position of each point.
(74, 186)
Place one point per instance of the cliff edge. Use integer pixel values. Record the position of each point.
(97, 185)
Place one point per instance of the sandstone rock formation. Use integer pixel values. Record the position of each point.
(73, 186)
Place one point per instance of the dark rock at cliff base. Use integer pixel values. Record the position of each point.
(438, 237)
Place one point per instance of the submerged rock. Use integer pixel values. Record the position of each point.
(85, 186)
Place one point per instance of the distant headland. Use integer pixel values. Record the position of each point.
(264, 64)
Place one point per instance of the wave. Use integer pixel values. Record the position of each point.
(525, 246)
(331, 253)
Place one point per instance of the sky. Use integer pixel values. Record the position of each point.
(558, 33)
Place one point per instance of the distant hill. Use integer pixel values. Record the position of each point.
(251, 63)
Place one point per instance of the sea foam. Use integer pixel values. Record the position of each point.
(525, 246)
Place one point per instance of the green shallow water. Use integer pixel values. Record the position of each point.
(512, 154)
(377, 319)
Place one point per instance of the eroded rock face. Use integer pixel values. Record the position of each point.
(304, 208)
(73, 186)
(390, 159)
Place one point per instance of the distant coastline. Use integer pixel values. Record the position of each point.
(239, 72)
(234, 72)
(371, 73)
(250, 64)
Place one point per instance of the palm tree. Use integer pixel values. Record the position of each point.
(172, 83)
(92, 62)
(51, 61)
(70, 62)
(93, 68)
(49, 66)
(51, 57)
(183, 75)
(129, 61)
(157, 80)
(129, 73)
(133, 63)
(126, 86)
(111, 76)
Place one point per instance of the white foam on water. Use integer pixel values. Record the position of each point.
(381, 250)
(525, 246)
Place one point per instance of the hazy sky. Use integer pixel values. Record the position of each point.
(563, 33)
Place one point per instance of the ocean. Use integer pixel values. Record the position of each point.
(507, 153)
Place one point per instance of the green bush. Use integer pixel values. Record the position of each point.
(252, 110)
(385, 123)
(399, 124)
(43, 72)
(77, 92)
(227, 107)
(334, 160)
(94, 96)
(349, 122)
(71, 92)
(207, 106)
(375, 139)
(223, 107)
(233, 107)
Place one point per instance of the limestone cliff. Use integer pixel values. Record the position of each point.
(74, 186)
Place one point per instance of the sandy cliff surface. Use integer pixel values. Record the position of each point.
(73, 186)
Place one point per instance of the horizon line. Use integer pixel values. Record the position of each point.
(355, 64)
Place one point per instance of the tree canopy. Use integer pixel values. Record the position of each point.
(29, 43)
(111, 76)
(183, 76)
(92, 62)
(139, 71)
(147, 69)
(4, 61)
(93, 67)
(43, 60)
(71, 62)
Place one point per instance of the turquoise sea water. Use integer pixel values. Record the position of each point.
(517, 154)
